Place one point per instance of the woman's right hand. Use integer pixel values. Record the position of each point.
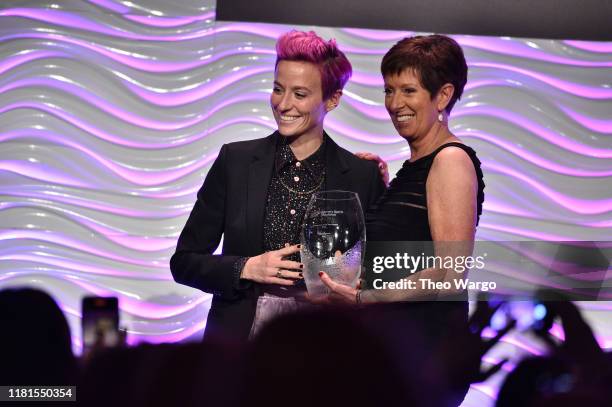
(382, 165)
(272, 268)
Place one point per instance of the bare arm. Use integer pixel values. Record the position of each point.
(452, 188)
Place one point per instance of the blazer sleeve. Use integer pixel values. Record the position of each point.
(376, 187)
(194, 264)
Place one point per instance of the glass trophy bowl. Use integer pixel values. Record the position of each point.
(333, 240)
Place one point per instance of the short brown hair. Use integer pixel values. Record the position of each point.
(436, 60)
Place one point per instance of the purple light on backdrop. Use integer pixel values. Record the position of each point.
(198, 93)
(146, 177)
(57, 238)
(262, 30)
(140, 307)
(532, 158)
(506, 46)
(590, 92)
(153, 144)
(359, 135)
(378, 35)
(68, 266)
(147, 64)
(495, 205)
(106, 207)
(564, 268)
(140, 243)
(491, 204)
(169, 22)
(110, 5)
(522, 50)
(591, 46)
(189, 190)
(155, 65)
(40, 172)
(599, 224)
(581, 206)
(521, 232)
(597, 125)
(75, 21)
(537, 129)
(24, 57)
(157, 125)
(180, 334)
(526, 199)
(509, 270)
(72, 20)
(243, 120)
(62, 84)
(81, 124)
(372, 111)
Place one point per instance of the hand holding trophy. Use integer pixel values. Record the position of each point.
(333, 240)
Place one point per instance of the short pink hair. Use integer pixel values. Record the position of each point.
(334, 66)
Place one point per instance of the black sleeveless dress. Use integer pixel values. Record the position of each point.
(401, 214)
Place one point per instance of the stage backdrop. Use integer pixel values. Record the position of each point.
(111, 114)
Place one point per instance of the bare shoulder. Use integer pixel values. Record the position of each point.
(451, 195)
(452, 172)
(452, 161)
(452, 155)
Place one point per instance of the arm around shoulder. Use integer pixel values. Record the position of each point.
(377, 186)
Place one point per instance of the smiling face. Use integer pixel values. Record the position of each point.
(297, 99)
(412, 110)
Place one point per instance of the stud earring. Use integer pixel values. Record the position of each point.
(440, 117)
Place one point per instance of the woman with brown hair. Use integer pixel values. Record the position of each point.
(437, 195)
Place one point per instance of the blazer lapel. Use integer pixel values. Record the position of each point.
(335, 167)
(260, 173)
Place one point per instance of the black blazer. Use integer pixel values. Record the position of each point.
(231, 203)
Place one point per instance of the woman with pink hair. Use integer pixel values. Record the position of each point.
(256, 192)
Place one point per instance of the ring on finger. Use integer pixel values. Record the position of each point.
(279, 274)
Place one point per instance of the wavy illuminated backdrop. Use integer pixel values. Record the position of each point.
(111, 115)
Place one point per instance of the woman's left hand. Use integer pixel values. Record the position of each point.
(382, 165)
(338, 293)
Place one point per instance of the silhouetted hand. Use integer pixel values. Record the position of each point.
(463, 354)
(580, 343)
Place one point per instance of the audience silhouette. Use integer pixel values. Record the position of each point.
(321, 356)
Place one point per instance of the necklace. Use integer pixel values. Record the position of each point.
(288, 188)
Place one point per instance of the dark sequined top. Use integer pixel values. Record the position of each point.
(293, 183)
